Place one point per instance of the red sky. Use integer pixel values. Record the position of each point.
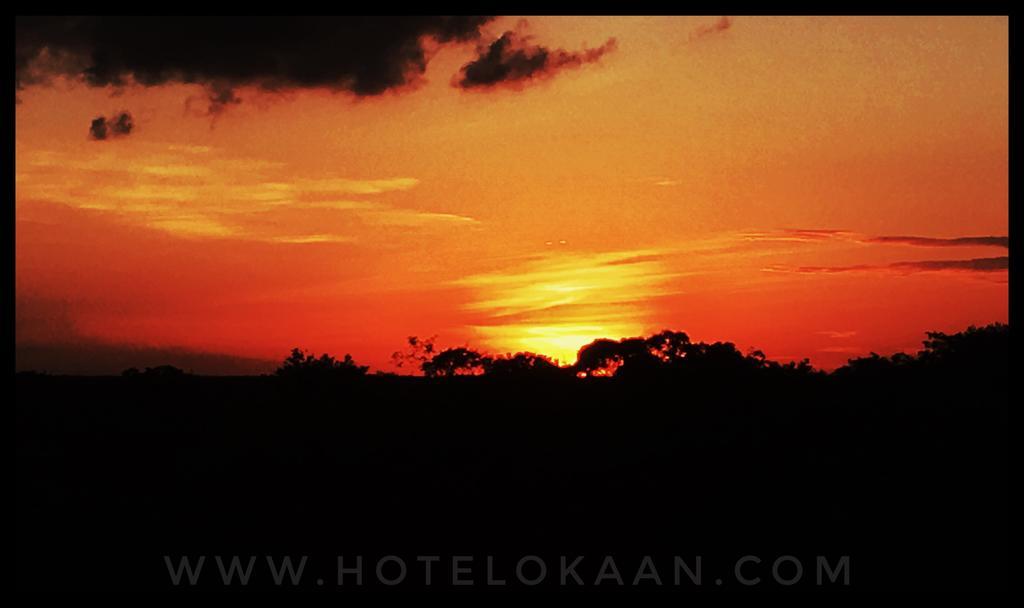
(730, 182)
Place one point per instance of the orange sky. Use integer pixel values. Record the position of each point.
(726, 182)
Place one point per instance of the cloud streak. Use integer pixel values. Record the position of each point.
(836, 334)
(981, 265)
(797, 235)
(962, 241)
(995, 264)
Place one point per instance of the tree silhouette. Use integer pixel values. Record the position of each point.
(524, 365)
(974, 352)
(160, 371)
(910, 449)
(669, 346)
(458, 361)
(666, 354)
(974, 348)
(308, 366)
(604, 357)
(802, 368)
(417, 352)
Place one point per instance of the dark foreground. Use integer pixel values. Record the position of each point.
(907, 478)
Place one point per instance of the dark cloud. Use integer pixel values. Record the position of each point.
(220, 98)
(995, 264)
(90, 357)
(720, 25)
(118, 125)
(962, 241)
(512, 60)
(216, 100)
(47, 338)
(363, 55)
(38, 319)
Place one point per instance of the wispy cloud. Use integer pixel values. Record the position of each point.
(311, 239)
(837, 334)
(356, 186)
(411, 218)
(192, 226)
(825, 242)
(197, 192)
(375, 213)
(795, 235)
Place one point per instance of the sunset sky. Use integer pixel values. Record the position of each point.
(816, 187)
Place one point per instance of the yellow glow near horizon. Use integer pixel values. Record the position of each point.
(556, 303)
(559, 342)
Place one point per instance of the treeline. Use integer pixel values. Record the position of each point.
(672, 355)
(663, 445)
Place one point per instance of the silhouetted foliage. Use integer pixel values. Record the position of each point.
(669, 346)
(875, 367)
(307, 366)
(461, 361)
(792, 369)
(160, 371)
(974, 352)
(671, 354)
(30, 373)
(525, 366)
(458, 361)
(899, 462)
(970, 350)
(417, 352)
(604, 357)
